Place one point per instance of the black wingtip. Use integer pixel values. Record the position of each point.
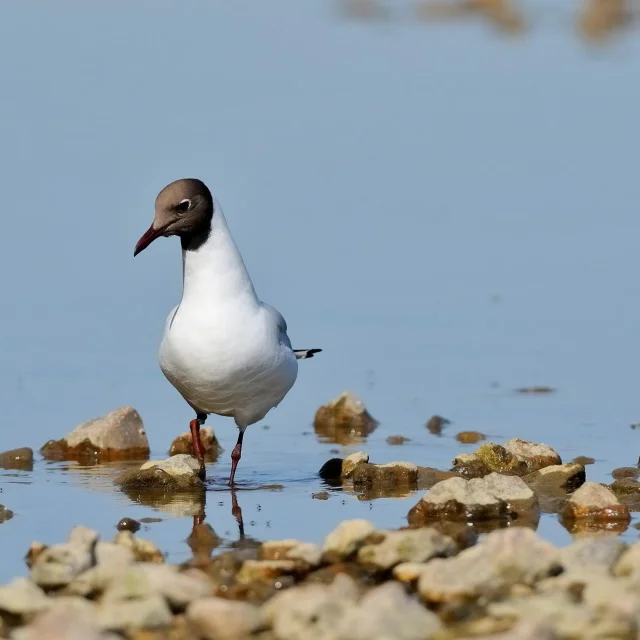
(303, 354)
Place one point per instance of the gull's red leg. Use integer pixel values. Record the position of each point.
(194, 426)
(236, 454)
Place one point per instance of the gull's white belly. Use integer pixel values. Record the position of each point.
(232, 367)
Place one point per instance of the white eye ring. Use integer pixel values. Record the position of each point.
(183, 202)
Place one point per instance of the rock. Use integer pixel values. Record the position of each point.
(203, 539)
(321, 495)
(396, 547)
(5, 514)
(21, 459)
(59, 564)
(344, 420)
(626, 472)
(556, 478)
(331, 471)
(267, 571)
(388, 613)
(597, 503)
(435, 424)
(22, 597)
(397, 440)
(67, 618)
(183, 444)
(470, 437)
(388, 475)
(128, 524)
(351, 462)
(492, 497)
(112, 560)
(584, 460)
(626, 488)
(132, 602)
(427, 477)
(143, 550)
(628, 565)
(525, 630)
(535, 456)
(517, 457)
(305, 552)
(567, 618)
(591, 555)
(221, 619)
(346, 539)
(179, 588)
(178, 473)
(311, 611)
(502, 559)
(119, 435)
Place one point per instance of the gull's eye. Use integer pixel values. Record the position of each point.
(183, 206)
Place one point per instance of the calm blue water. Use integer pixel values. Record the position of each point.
(438, 207)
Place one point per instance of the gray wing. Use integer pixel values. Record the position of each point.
(277, 318)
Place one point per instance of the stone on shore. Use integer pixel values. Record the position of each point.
(346, 539)
(222, 619)
(119, 435)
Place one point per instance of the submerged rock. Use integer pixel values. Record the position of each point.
(178, 473)
(183, 444)
(344, 420)
(389, 475)
(21, 459)
(593, 501)
(397, 440)
(492, 497)
(119, 435)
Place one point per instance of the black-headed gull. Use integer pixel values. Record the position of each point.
(223, 349)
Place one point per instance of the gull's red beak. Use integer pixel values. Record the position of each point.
(149, 236)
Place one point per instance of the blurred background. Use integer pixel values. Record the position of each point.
(442, 196)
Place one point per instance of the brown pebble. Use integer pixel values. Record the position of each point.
(584, 460)
(128, 524)
(539, 389)
(436, 423)
(470, 437)
(322, 495)
(395, 440)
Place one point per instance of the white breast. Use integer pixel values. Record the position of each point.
(222, 349)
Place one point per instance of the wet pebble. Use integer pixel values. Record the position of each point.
(5, 514)
(436, 423)
(397, 440)
(321, 495)
(21, 459)
(470, 437)
(128, 524)
(178, 473)
(584, 460)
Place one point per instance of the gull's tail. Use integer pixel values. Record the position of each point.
(302, 354)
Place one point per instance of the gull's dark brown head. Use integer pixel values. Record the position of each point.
(183, 208)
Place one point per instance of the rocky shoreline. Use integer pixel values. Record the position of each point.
(469, 563)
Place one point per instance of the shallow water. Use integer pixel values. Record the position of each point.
(440, 208)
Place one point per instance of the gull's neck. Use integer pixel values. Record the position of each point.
(213, 269)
